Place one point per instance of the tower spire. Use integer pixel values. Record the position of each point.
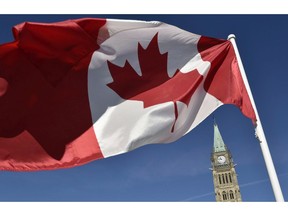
(218, 141)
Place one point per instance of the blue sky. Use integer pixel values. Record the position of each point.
(180, 171)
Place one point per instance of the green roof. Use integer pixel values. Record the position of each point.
(219, 145)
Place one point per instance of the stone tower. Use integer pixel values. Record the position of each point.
(224, 175)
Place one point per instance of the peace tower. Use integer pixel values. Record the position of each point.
(224, 175)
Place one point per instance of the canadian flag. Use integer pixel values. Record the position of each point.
(79, 90)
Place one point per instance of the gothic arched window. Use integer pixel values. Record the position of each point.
(230, 178)
(226, 176)
(220, 179)
(231, 194)
(223, 178)
(224, 195)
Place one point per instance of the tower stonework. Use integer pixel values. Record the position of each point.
(224, 175)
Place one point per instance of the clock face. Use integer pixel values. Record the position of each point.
(221, 159)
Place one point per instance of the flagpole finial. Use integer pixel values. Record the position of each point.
(231, 36)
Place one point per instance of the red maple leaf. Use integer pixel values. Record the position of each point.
(154, 86)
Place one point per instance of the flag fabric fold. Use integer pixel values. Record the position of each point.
(75, 91)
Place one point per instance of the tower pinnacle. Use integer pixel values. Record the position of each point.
(219, 145)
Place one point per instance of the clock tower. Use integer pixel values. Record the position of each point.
(224, 175)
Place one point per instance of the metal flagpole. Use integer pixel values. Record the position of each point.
(259, 132)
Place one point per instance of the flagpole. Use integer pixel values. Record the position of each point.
(259, 132)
